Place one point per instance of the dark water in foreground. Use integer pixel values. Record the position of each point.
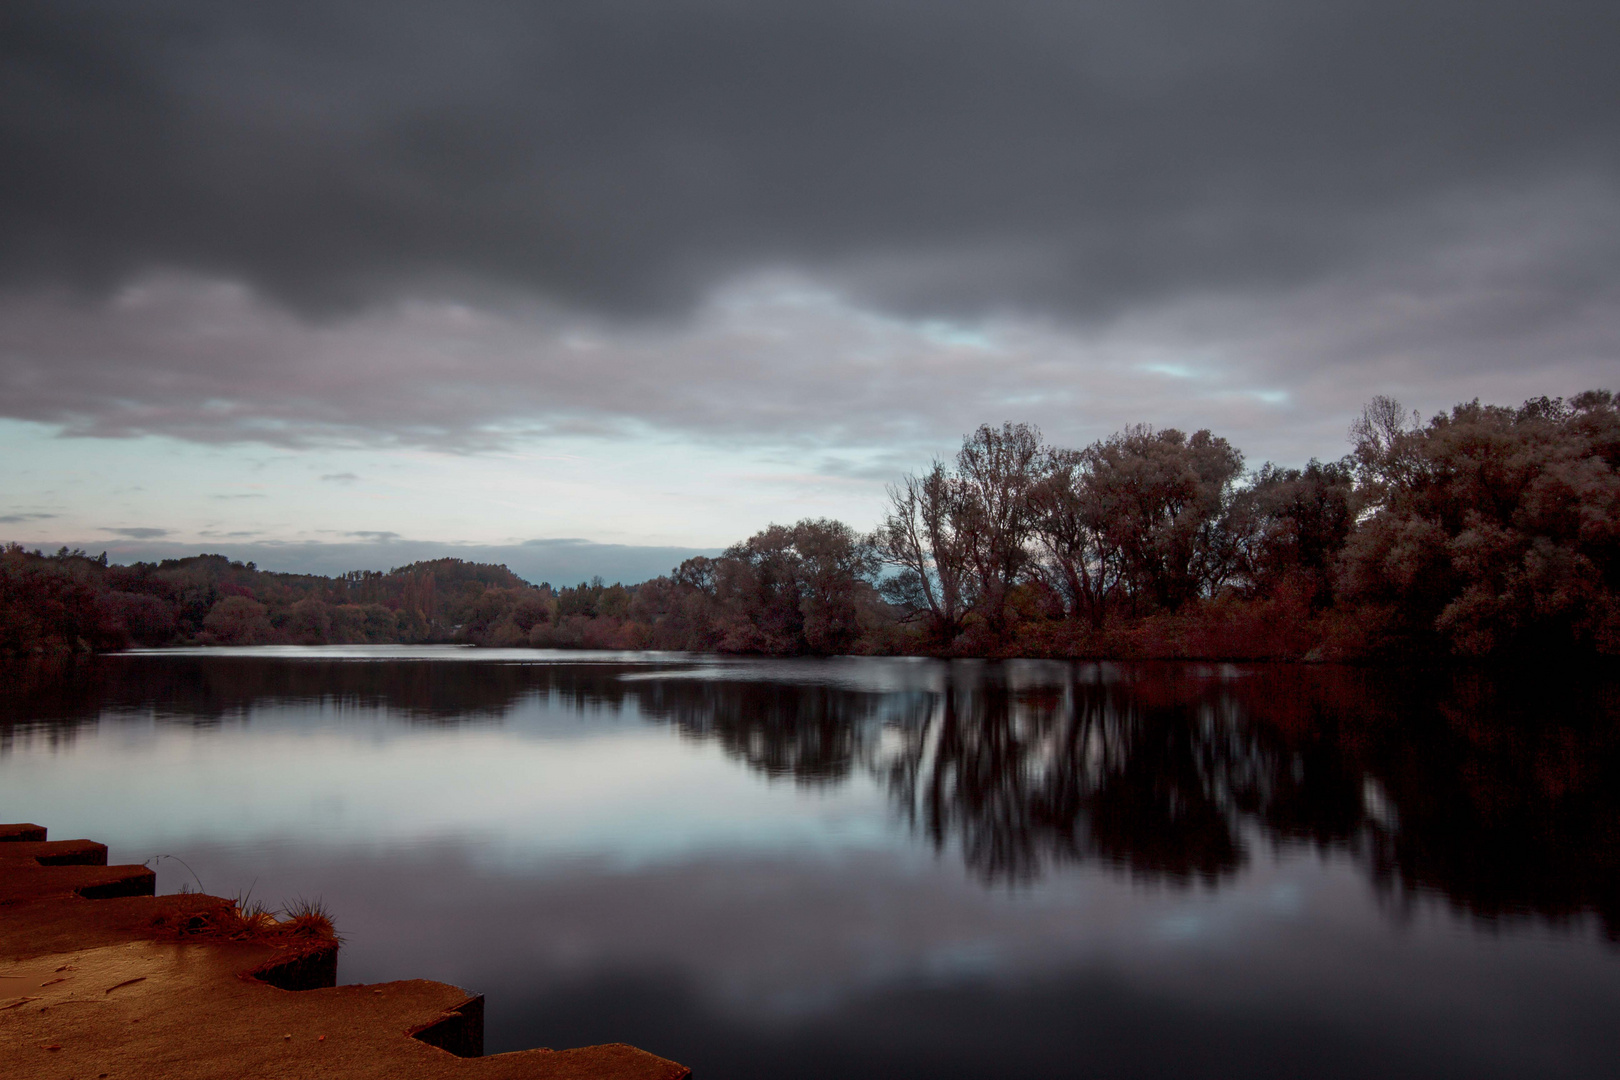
(865, 868)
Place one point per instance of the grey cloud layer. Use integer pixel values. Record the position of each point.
(633, 153)
(784, 363)
(444, 225)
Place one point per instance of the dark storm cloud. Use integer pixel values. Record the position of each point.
(215, 219)
(629, 154)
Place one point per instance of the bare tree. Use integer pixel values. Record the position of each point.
(1079, 559)
(997, 468)
(1385, 438)
(924, 537)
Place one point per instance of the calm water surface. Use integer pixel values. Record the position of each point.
(894, 868)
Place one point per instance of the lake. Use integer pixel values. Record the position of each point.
(894, 867)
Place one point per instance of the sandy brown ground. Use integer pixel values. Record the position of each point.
(117, 987)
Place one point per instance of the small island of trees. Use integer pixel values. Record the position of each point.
(1485, 531)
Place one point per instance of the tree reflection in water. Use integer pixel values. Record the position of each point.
(1499, 795)
(1029, 777)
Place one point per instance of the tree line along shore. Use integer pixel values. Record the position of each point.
(1485, 531)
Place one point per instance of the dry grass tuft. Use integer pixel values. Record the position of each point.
(300, 923)
(308, 918)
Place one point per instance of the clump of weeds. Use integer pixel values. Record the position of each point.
(241, 918)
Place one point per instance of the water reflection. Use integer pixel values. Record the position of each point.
(1027, 777)
(1500, 796)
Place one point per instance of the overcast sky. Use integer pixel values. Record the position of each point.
(367, 280)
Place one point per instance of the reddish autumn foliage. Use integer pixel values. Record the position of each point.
(1485, 531)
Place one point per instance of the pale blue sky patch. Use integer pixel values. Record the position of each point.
(1175, 371)
(649, 490)
(957, 335)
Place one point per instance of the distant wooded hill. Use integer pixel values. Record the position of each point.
(1484, 531)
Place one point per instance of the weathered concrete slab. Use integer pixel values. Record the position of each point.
(142, 985)
(55, 852)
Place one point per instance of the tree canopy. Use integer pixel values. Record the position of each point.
(1484, 531)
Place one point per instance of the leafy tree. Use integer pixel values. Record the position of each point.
(236, 620)
(1493, 529)
(1167, 498)
(1293, 526)
(836, 567)
(145, 619)
(307, 622)
(49, 604)
(795, 589)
